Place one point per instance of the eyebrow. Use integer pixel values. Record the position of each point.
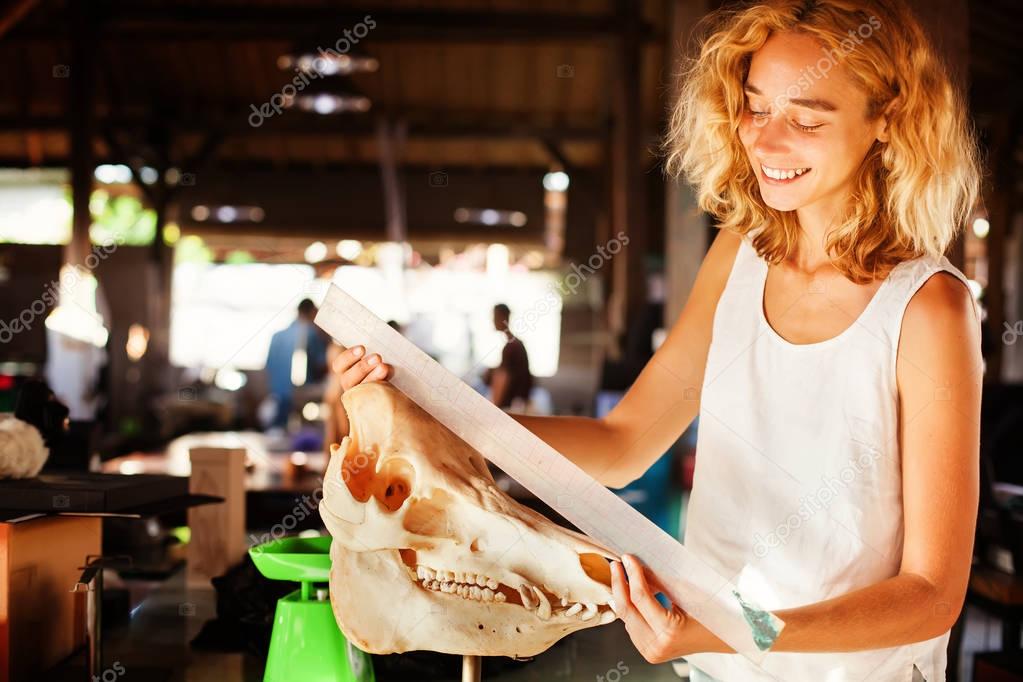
(816, 104)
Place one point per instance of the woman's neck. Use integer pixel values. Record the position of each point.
(815, 222)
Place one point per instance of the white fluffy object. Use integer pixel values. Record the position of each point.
(22, 451)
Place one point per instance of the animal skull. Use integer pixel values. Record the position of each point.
(429, 554)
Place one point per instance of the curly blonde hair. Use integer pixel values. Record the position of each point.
(911, 196)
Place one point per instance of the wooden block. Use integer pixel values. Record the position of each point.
(41, 620)
(218, 530)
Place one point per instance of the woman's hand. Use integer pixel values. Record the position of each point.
(659, 634)
(354, 369)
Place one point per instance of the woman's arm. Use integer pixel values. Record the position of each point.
(620, 447)
(939, 374)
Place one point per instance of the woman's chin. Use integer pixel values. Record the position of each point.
(782, 203)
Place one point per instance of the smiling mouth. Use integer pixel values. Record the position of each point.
(782, 175)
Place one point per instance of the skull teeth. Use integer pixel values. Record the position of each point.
(586, 611)
(529, 599)
(543, 611)
(478, 587)
(466, 585)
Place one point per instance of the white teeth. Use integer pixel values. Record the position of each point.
(574, 609)
(544, 610)
(499, 597)
(590, 612)
(529, 600)
(481, 580)
(488, 594)
(492, 584)
(783, 174)
(564, 601)
(421, 572)
(475, 592)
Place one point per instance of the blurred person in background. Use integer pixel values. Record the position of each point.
(297, 356)
(510, 382)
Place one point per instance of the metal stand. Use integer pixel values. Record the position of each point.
(472, 668)
(92, 582)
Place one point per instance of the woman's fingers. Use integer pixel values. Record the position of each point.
(355, 368)
(347, 358)
(640, 592)
(623, 606)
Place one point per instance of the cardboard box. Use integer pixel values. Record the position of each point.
(41, 621)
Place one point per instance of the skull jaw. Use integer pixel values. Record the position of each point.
(380, 609)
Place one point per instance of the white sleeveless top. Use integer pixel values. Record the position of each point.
(797, 494)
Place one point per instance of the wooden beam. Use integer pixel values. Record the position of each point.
(326, 26)
(81, 127)
(686, 237)
(230, 120)
(14, 12)
(390, 142)
(1000, 200)
(628, 214)
(286, 167)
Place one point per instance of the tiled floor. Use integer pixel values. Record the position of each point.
(153, 647)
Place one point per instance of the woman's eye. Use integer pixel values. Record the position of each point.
(807, 129)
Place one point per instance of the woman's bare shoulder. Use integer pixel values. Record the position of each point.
(717, 265)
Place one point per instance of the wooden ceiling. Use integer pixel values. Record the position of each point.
(496, 83)
(479, 82)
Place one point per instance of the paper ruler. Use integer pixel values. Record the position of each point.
(689, 581)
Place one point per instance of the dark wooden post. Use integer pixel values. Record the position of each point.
(628, 215)
(686, 237)
(81, 123)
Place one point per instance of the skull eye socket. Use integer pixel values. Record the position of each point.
(393, 484)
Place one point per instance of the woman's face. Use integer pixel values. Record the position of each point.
(802, 116)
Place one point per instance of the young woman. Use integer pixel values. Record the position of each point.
(830, 349)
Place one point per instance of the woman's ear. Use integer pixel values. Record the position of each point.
(883, 121)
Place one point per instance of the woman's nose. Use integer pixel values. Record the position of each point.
(771, 137)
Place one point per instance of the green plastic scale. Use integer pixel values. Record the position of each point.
(306, 643)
